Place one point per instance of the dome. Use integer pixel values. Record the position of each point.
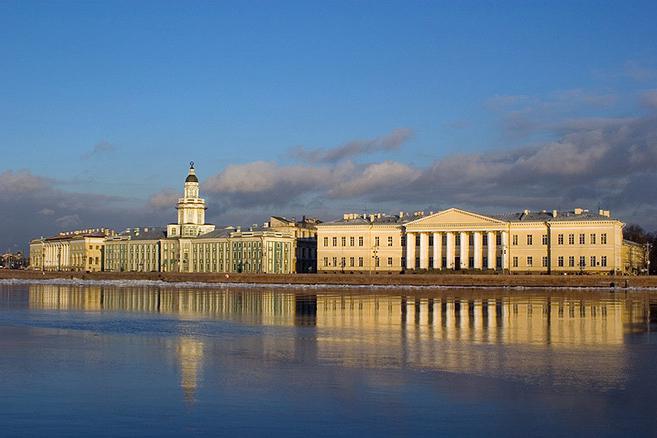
(191, 178)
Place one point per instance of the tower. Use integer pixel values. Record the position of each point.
(191, 210)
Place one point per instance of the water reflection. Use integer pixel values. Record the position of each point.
(568, 337)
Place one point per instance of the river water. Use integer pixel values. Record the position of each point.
(157, 361)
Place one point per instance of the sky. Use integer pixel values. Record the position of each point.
(318, 108)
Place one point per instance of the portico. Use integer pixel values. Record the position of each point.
(457, 239)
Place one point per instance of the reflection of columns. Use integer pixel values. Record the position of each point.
(492, 253)
(410, 250)
(437, 250)
(424, 250)
(478, 253)
(465, 250)
(505, 250)
(450, 251)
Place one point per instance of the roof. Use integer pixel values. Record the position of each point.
(217, 232)
(548, 216)
(369, 220)
(191, 178)
(144, 233)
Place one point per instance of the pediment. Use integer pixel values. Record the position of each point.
(454, 217)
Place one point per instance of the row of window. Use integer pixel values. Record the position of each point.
(560, 239)
(353, 262)
(352, 241)
(594, 261)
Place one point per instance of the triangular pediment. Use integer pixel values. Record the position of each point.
(454, 217)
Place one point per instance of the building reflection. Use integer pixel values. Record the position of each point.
(456, 331)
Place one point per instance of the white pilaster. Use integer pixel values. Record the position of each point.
(492, 249)
(505, 250)
(465, 250)
(478, 253)
(424, 250)
(437, 250)
(450, 251)
(410, 250)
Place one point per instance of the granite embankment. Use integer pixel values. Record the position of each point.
(492, 280)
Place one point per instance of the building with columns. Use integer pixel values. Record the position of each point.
(78, 251)
(576, 241)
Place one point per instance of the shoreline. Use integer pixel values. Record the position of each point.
(342, 280)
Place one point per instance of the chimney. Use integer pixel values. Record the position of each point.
(401, 215)
(578, 211)
(605, 213)
(554, 213)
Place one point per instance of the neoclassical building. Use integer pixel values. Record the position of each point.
(79, 251)
(576, 241)
(191, 245)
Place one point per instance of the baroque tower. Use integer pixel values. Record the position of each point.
(191, 210)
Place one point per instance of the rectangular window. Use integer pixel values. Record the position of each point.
(351, 262)
(484, 240)
(515, 262)
(560, 261)
(530, 261)
(389, 240)
(376, 241)
(498, 238)
(603, 238)
(457, 239)
(545, 262)
(582, 239)
(360, 241)
(582, 261)
(417, 240)
(360, 262)
(544, 240)
(571, 261)
(593, 261)
(603, 261)
(335, 261)
(344, 241)
(335, 241)
(560, 239)
(352, 241)
(376, 261)
(592, 238)
(530, 239)
(515, 239)
(343, 262)
(389, 261)
(571, 239)
(326, 261)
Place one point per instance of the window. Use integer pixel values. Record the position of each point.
(335, 261)
(389, 261)
(335, 241)
(352, 241)
(603, 238)
(545, 261)
(582, 261)
(571, 261)
(484, 240)
(417, 240)
(360, 262)
(529, 239)
(592, 238)
(91, 260)
(376, 241)
(515, 262)
(530, 261)
(344, 241)
(582, 239)
(326, 241)
(389, 240)
(376, 261)
(571, 239)
(560, 239)
(343, 262)
(515, 239)
(351, 262)
(498, 238)
(560, 261)
(544, 240)
(603, 261)
(593, 261)
(457, 239)
(360, 241)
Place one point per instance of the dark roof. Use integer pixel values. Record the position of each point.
(145, 233)
(191, 178)
(360, 220)
(547, 216)
(218, 232)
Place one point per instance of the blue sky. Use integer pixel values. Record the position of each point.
(103, 104)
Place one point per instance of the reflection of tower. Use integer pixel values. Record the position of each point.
(190, 356)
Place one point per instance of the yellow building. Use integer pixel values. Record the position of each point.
(576, 241)
(635, 258)
(361, 243)
(79, 251)
(305, 235)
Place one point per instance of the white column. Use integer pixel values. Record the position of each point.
(465, 250)
(492, 249)
(450, 251)
(424, 250)
(505, 250)
(478, 253)
(410, 250)
(437, 250)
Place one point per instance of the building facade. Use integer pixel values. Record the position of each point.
(576, 241)
(78, 251)
(305, 236)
